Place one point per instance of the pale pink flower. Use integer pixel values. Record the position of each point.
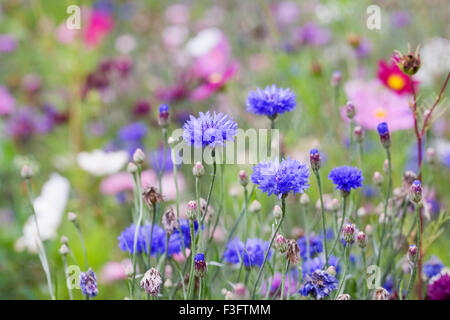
(114, 271)
(375, 103)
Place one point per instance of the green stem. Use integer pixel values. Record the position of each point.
(363, 254)
(283, 279)
(323, 217)
(64, 258)
(414, 269)
(283, 210)
(133, 280)
(388, 195)
(210, 188)
(191, 273)
(161, 170)
(346, 265)
(344, 198)
(176, 183)
(83, 246)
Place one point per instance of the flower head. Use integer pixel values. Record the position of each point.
(439, 287)
(319, 285)
(169, 221)
(280, 178)
(200, 265)
(385, 137)
(416, 191)
(151, 282)
(409, 63)
(271, 101)
(393, 78)
(293, 251)
(253, 252)
(314, 159)
(314, 244)
(209, 130)
(346, 178)
(163, 118)
(432, 267)
(151, 196)
(88, 283)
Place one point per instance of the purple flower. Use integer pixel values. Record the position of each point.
(400, 19)
(364, 48)
(126, 239)
(432, 267)
(439, 288)
(7, 43)
(275, 288)
(7, 102)
(346, 178)
(134, 132)
(157, 160)
(209, 130)
(318, 263)
(280, 178)
(253, 252)
(22, 124)
(271, 101)
(313, 35)
(88, 283)
(319, 285)
(314, 243)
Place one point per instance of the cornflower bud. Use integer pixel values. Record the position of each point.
(243, 178)
(131, 168)
(192, 209)
(304, 199)
(349, 233)
(26, 173)
(139, 156)
(200, 266)
(277, 212)
(64, 250)
(71, 216)
(314, 158)
(336, 78)
(198, 170)
(88, 283)
(359, 134)
(431, 156)
(344, 296)
(64, 240)
(255, 207)
(280, 243)
(378, 179)
(385, 137)
(163, 115)
(412, 253)
(350, 110)
(416, 191)
(362, 240)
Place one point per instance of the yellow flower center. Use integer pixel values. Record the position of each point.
(380, 113)
(215, 78)
(396, 82)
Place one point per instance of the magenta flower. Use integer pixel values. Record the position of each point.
(7, 102)
(375, 103)
(99, 25)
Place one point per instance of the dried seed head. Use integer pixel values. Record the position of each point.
(410, 62)
(293, 251)
(344, 296)
(381, 294)
(151, 282)
(170, 221)
(151, 196)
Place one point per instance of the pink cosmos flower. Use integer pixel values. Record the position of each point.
(393, 78)
(123, 181)
(7, 102)
(100, 23)
(375, 103)
(65, 35)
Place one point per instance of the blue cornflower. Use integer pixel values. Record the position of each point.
(126, 239)
(255, 250)
(319, 285)
(271, 101)
(389, 284)
(382, 128)
(177, 240)
(318, 263)
(385, 137)
(432, 267)
(134, 132)
(346, 178)
(88, 283)
(157, 160)
(280, 178)
(234, 251)
(209, 130)
(200, 265)
(315, 245)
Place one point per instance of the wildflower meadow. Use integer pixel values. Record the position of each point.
(224, 150)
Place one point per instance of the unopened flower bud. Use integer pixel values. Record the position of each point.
(362, 240)
(192, 209)
(280, 243)
(350, 110)
(139, 156)
(314, 158)
(378, 178)
(151, 282)
(71, 216)
(336, 78)
(200, 266)
(26, 173)
(349, 233)
(198, 170)
(344, 296)
(255, 207)
(386, 166)
(359, 134)
(334, 205)
(277, 212)
(64, 250)
(383, 132)
(171, 141)
(243, 178)
(353, 40)
(416, 191)
(229, 295)
(64, 240)
(304, 199)
(240, 291)
(163, 119)
(131, 168)
(431, 156)
(412, 252)
(381, 294)
(331, 271)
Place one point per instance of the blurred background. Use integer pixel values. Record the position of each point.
(68, 91)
